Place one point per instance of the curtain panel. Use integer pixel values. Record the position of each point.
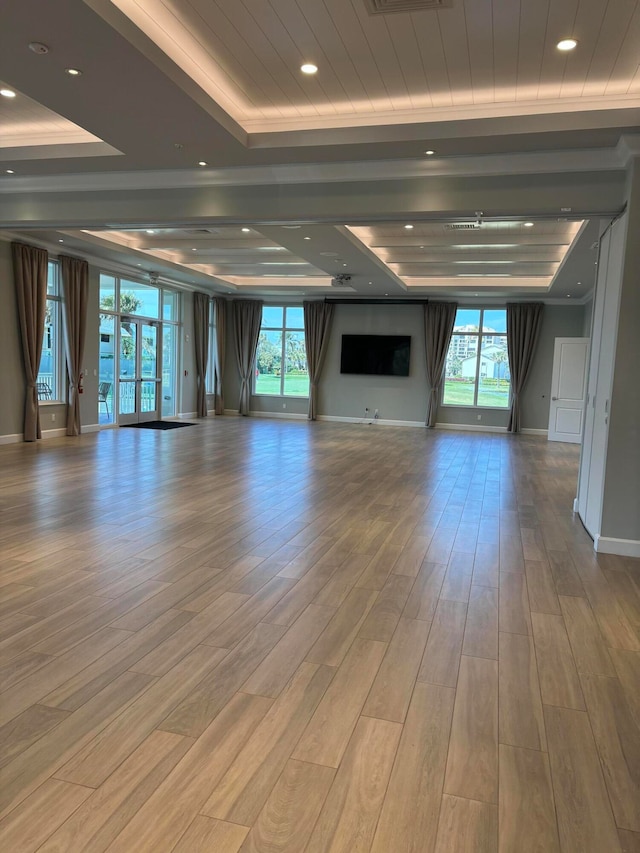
(317, 329)
(75, 295)
(220, 308)
(524, 320)
(247, 316)
(30, 280)
(201, 341)
(439, 319)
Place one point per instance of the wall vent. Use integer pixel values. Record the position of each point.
(384, 7)
(341, 280)
(461, 226)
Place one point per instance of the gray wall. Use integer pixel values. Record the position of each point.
(621, 502)
(404, 398)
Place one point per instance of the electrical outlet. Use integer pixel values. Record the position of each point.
(53, 417)
(284, 405)
(376, 414)
(479, 417)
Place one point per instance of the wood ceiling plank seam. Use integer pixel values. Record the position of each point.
(168, 23)
(361, 54)
(452, 25)
(627, 61)
(433, 63)
(634, 86)
(310, 97)
(506, 18)
(225, 56)
(615, 24)
(402, 31)
(328, 77)
(533, 24)
(399, 61)
(588, 24)
(560, 23)
(378, 38)
(346, 71)
(233, 13)
(481, 56)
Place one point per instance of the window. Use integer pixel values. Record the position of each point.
(211, 356)
(50, 381)
(477, 367)
(281, 358)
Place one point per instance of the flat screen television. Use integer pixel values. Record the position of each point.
(378, 355)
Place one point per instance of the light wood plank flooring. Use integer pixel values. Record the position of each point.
(270, 636)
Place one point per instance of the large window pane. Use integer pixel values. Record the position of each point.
(169, 305)
(52, 279)
(494, 321)
(107, 292)
(272, 317)
(169, 394)
(106, 378)
(140, 299)
(269, 363)
(295, 318)
(48, 370)
(493, 387)
(296, 377)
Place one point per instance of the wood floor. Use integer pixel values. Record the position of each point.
(268, 636)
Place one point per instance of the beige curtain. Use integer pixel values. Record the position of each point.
(317, 328)
(201, 341)
(523, 330)
(247, 316)
(75, 294)
(30, 278)
(439, 318)
(220, 308)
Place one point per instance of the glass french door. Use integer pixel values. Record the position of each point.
(139, 377)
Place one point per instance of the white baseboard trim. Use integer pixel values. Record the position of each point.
(289, 416)
(54, 433)
(369, 421)
(576, 506)
(472, 427)
(527, 431)
(621, 547)
(184, 416)
(13, 438)
(93, 427)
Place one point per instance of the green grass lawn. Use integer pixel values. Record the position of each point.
(294, 384)
(461, 394)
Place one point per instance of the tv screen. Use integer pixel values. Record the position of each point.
(380, 355)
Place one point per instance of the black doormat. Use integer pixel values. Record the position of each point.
(157, 425)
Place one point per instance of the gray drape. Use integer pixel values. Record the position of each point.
(523, 330)
(317, 328)
(201, 341)
(220, 308)
(439, 318)
(247, 316)
(75, 294)
(30, 278)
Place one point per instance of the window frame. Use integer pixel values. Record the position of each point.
(283, 330)
(210, 375)
(478, 335)
(58, 357)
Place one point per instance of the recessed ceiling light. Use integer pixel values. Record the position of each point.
(150, 231)
(60, 241)
(408, 227)
(202, 162)
(307, 238)
(344, 265)
(568, 296)
(73, 72)
(528, 224)
(308, 68)
(7, 93)
(246, 230)
(429, 152)
(194, 250)
(10, 172)
(386, 294)
(567, 44)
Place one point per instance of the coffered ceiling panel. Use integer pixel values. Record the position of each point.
(467, 58)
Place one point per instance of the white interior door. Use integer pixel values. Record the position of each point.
(568, 389)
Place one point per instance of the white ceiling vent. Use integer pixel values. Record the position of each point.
(461, 226)
(384, 7)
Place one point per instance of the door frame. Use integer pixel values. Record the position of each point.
(138, 416)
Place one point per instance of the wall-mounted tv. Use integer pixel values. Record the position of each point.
(379, 355)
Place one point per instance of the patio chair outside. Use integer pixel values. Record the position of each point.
(44, 391)
(103, 392)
